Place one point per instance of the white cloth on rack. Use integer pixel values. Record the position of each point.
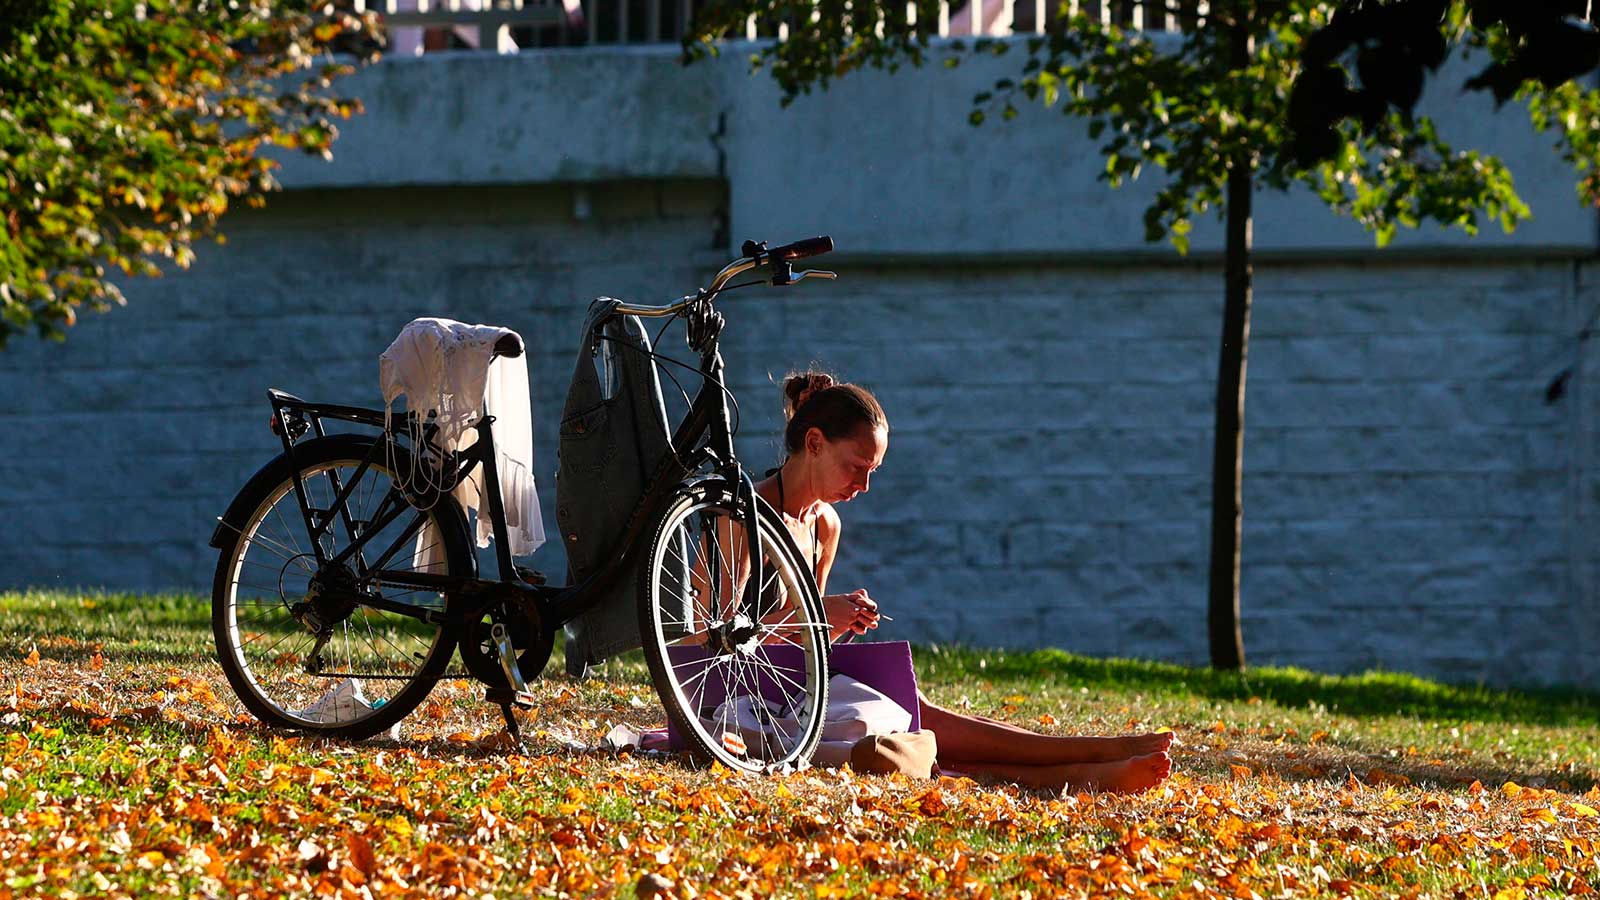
(445, 367)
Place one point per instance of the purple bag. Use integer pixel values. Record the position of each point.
(882, 665)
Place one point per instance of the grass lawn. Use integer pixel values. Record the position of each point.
(128, 769)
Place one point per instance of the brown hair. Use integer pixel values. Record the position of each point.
(812, 399)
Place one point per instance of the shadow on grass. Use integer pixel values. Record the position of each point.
(121, 654)
(176, 628)
(1369, 694)
(1331, 764)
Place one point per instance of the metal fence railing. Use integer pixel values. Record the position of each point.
(418, 26)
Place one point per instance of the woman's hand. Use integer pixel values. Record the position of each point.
(852, 612)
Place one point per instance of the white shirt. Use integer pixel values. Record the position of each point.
(445, 367)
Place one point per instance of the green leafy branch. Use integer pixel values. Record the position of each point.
(128, 129)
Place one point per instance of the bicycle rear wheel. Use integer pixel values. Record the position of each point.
(745, 687)
(326, 648)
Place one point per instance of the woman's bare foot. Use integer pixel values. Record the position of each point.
(1128, 776)
(1116, 749)
(1144, 744)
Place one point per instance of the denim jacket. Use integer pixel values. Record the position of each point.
(613, 435)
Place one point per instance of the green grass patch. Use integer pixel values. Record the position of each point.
(126, 769)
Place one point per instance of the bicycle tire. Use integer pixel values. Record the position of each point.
(798, 694)
(264, 496)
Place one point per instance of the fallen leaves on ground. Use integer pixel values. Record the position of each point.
(119, 781)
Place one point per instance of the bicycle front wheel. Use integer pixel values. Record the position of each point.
(744, 681)
(326, 647)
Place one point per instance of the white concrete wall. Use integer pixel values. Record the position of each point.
(1411, 501)
(886, 164)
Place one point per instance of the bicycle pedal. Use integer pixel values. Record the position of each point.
(509, 697)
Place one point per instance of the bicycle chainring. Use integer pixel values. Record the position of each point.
(532, 642)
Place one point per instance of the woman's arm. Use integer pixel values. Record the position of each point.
(828, 529)
(855, 611)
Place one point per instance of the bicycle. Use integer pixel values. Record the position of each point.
(332, 616)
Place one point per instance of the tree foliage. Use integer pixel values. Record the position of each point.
(1326, 100)
(127, 128)
(1372, 59)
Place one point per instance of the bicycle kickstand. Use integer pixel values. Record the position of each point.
(517, 694)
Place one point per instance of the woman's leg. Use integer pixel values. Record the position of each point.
(975, 739)
(1123, 776)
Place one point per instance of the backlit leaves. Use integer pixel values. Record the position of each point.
(127, 129)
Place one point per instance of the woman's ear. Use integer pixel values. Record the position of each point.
(814, 440)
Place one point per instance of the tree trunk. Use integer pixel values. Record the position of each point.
(1227, 467)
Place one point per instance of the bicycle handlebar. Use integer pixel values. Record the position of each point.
(815, 246)
(801, 249)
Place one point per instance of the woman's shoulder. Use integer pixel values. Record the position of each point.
(828, 523)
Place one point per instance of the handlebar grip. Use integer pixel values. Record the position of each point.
(801, 249)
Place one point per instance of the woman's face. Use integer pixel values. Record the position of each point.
(844, 468)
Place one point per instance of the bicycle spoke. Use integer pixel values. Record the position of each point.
(344, 634)
(710, 664)
(272, 589)
(372, 637)
(267, 566)
(287, 532)
(773, 722)
(385, 638)
(774, 670)
(280, 640)
(275, 548)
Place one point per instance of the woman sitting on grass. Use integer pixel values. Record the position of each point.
(836, 436)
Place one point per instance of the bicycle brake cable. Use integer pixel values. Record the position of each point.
(736, 417)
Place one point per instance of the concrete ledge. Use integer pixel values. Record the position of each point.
(887, 164)
(559, 115)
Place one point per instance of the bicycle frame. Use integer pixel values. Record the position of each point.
(501, 625)
(705, 431)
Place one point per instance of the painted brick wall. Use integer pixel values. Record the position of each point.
(1408, 492)
(1411, 500)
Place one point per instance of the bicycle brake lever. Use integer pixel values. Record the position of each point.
(786, 277)
(813, 273)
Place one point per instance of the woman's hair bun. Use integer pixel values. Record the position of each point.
(813, 399)
(798, 387)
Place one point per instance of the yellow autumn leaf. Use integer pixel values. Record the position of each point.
(1584, 812)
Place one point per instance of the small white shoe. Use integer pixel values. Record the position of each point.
(344, 702)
